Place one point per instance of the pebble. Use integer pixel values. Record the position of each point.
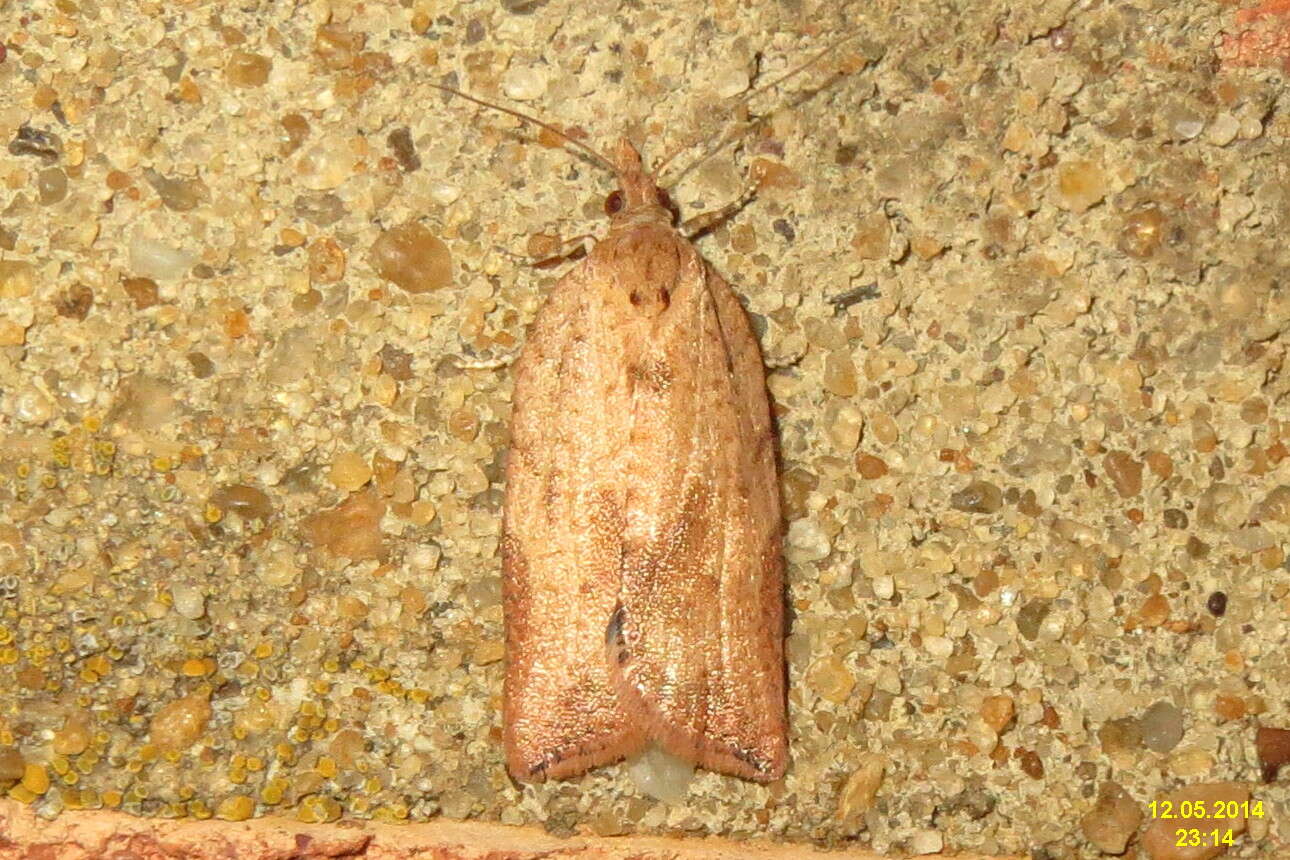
(349, 471)
(51, 186)
(245, 69)
(1080, 185)
(249, 503)
(998, 711)
(32, 406)
(1162, 727)
(1159, 839)
(1142, 232)
(857, 795)
(326, 164)
(1273, 747)
(190, 601)
(524, 83)
(144, 292)
(872, 237)
(807, 541)
(840, 375)
(177, 725)
(1112, 821)
(1125, 473)
(152, 258)
(178, 195)
(731, 81)
(351, 530)
(1223, 129)
(926, 841)
(830, 679)
(412, 258)
(870, 467)
(978, 497)
(661, 775)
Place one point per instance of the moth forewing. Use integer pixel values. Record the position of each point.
(641, 550)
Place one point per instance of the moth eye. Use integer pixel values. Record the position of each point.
(614, 203)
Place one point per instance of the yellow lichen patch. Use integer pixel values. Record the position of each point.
(35, 778)
(235, 807)
(315, 809)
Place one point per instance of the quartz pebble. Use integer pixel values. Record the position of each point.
(190, 601)
(524, 83)
(351, 530)
(1161, 727)
(152, 258)
(1080, 185)
(661, 775)
(178, 724)
(412, 258)
(1112, 821)
(858, 793)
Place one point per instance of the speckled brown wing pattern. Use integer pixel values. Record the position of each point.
(699, 635)
(562, 544)
(643, 573)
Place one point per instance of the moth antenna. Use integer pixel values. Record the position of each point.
(728, 135)
(596, 156)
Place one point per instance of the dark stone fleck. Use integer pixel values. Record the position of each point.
(30, 141)
(784, 229)
(1030, 617)
(855, 295)
(396, 362)
(405, 152)
(75, 302)
(202, 366)
(1217, 604)
(523, 7)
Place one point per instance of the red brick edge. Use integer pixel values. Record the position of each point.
(116, 836)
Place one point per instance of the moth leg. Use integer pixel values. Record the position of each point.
(577, 252)
(705, 222)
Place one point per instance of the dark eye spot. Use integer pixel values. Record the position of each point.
(635, 298)
(614, 203)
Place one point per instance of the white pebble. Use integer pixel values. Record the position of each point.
(190, 602)
(732, 82)
(150, 258)
(926, 842)
(884, 587)
(807, 541)
(661, 775)
(938, 647)
(523, 83)
(33, 406)
(444, 193)
(1223, 129)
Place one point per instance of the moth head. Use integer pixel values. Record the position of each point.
(616, 203)
(637, 188)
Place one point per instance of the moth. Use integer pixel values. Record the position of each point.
(641, 552)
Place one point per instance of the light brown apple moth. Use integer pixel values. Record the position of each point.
(642, 570)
